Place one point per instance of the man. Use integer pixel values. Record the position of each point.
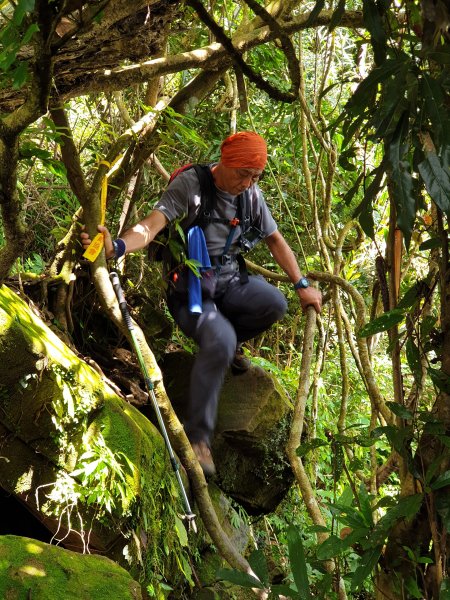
(237, 310)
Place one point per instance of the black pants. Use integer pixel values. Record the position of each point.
(237, 313)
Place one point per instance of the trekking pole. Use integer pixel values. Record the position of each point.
(189, 516)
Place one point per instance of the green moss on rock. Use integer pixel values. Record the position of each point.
(59, 416)
(32, 569)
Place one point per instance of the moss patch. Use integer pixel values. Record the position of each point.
(32, 569)
(65, 419)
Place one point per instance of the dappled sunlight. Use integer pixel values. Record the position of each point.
(33, 548)
(33, 571)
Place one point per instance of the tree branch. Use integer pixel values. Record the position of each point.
(207, 57)
(69, 153)
(286, 43)
(274, 92)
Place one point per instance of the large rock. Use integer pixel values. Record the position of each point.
(32, 569)
(251, 432)
(91, 467)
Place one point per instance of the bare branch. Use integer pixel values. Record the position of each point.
(286, 43)
(236, 56)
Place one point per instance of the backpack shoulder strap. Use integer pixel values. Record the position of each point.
(207, 193)
(244, 210)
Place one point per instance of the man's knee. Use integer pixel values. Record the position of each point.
(219, 343)
(280, 307)
(277, 307)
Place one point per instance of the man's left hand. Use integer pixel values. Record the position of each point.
(310, 296)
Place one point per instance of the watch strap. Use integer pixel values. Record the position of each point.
(301, 284)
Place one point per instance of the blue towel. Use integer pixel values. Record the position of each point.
(197, 251)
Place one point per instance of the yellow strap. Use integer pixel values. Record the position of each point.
(96, 246)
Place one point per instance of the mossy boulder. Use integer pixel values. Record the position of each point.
(88, 465)
(32, 569)
(251, 432)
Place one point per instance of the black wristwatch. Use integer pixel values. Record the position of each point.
(301, 284)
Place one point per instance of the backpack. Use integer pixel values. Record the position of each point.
(168, 247)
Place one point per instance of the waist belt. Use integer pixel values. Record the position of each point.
(229, 259)
(224, 259)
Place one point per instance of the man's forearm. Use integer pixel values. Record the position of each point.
(284, 256)
(140, 235)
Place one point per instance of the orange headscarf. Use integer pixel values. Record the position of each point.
(244, 149)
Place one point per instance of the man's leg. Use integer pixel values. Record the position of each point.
(216, 339)
(252, 307)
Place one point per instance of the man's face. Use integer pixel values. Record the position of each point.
(237, 180)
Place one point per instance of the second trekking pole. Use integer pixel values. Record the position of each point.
(189, 516)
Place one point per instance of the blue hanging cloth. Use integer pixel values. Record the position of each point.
(196, 251)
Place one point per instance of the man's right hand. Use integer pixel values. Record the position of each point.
(86, 240)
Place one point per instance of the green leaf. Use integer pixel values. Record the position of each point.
(56, 167)
(425, 560)
(432, 92)
(433, 242)
(383, 323)
(365, 209)
(311, 445)
(32, 29)
(348, 196)
(31, 150)
(367, 89)
(399, 410)
(357, 535)
(442, 481)
(283, 590)
(347, 515)
(364, 212)
(19, 75)
(239, 578)
(444, 592)
(440, 379)
(442, 502)
(298, 562)
(411, 296)
(366, 507)
(403, 184)
(180, 231)
(181, 531)
(397, 436)
(317, 529)
(89, 468)
(373, 22)
(365, 567)
(414, 361)
(330, 548)
(441, 56)
(412, 588)
(346, 498)
(344, 160)
(68, 398)
(258, 563)
(427, 325)
(445, 439)
(405, 508)
(436, 181)
(23, 6)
